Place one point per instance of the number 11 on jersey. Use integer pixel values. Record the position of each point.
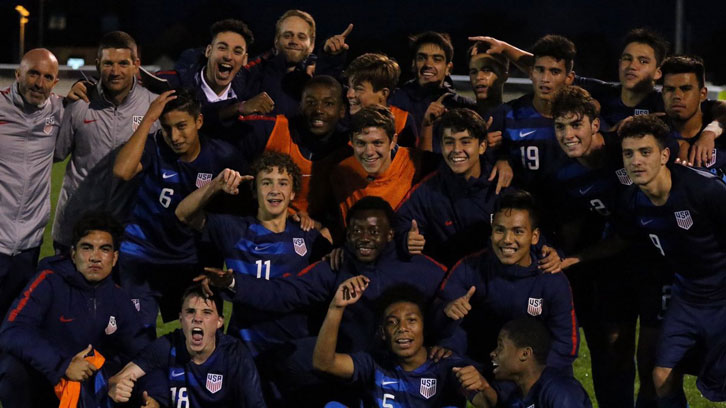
(260, 263)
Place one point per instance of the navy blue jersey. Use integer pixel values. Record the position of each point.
(387, 385)
(552, 390)
(507, 292)
(528, 140)
(612, 108)
(452, 213)
(317, 284)
(251, 249)
(227, 379)
(154, 234)
(689, 230)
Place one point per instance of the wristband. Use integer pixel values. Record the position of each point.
(714, 127)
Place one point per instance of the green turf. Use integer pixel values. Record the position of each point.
(582, 364)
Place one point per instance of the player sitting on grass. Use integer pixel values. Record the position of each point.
(406, 376)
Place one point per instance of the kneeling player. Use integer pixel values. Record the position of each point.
(197, 365)
(520, 356)
(406, 376)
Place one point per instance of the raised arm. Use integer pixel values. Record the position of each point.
(190, 209)
(523, 60)
(325, 358)
(128, 161)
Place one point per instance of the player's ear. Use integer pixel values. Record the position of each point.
(535, 236)
(115, 258)
(394, 141)
(449, 68)
(483, 146)
(199, 121)
(208, 51)
(658, 74)
(220, 322)
(385, 92)
(570, 77)
(703, 93)
(595, 125)
(665, 154)
(525, 354)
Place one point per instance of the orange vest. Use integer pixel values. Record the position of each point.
(69, 392)
(400, 116)
(350, 182)
(281, 141)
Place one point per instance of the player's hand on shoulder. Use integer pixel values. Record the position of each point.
(494, 139)
(701, 151)
(436, 353)
(504, 173)
(458, 308)
(335, 258)
(79, 90)
(261, 103)
(80, 369)
(550, 261)
(306, 222)
(350, 291)
(568, 262)
(415, 241)
(336, 44)
(215, 277)
(228, 180)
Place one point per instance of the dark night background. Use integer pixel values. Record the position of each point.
(170, 26)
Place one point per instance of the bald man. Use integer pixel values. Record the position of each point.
(30, 118)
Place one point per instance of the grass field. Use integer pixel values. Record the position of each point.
(582, 364)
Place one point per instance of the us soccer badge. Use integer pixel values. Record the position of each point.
(203, 179)
(214, 382)
(534, 306)
(300, 248)
(683, 219)
(428, 387)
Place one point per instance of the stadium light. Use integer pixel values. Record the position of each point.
(24, 13)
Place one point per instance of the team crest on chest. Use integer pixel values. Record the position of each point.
(300, 248)
(111, 328)
(712, 161)
(623, 177)
(534, 306)
(49, 122)
(683, 219)
(136, 121)
(214, 382)
(428, 387)
(137, 304)
(203, 179)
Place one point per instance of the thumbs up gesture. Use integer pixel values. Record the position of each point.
(415, 241)
(80, 369)
(457, 309)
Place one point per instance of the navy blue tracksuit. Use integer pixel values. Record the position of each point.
(452, 213)
(58, 315)
(552, 390)
(507, 292)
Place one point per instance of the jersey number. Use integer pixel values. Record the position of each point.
(599, 207)
(386, 403)
(665, 301)
(259, 269)
(530, 157)
(656, 242)
(181, 399)
(165, 196)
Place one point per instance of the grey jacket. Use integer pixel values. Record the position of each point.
(27, 139)
(92, 133)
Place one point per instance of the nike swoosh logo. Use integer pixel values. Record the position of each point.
(584, 191)
(167, 175)
(86, 121)
(645, 222)
(65, 320)
(175, 373)
(389, 382)
(525, 134)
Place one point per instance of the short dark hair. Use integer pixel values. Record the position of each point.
(461, 119)
(117, 39)
(326, 81)
(198, 291)
(556, 46)
(529, 332)
(371, 203)
(518, 200)
(685, 64)
(185, 101)
(301, 14)
(268, 160)
(641, 125)
(378, 69)
(573, 99)
(442, 40)
(232, 25)
(399, 293)
(97, 221)
(650, 38)
(499, 61)
(373, 116)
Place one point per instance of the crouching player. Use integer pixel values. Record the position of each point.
(195, 366)
(406, 377)
(522, 348)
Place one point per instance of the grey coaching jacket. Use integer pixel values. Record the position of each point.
(27, 139)
(93, 133)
